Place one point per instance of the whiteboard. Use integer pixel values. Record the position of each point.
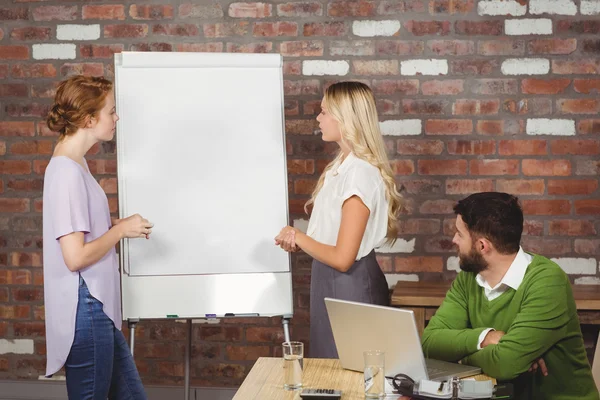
(201, 154)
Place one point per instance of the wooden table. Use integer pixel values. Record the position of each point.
(265, 380)
(424, 298)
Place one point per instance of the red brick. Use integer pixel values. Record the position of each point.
(465, 147)
(546, 207)
(226, 29)
(32, 294)
(393, 7)
(33, 71)
(578, 106)
(301, 167)
(108, 12)
(585, 26)
(27, 185)
(300, 9)
(44, 89)
(15, 277)
(473, 66)
(410, 106)
(151, 11)
(403, 167)
(281, 28)
(55, 13)
(501, 47)
(520, 186)
(587, 207)
(292, 68)
(449, 127)
(388, 107)
(95, 69)
(301, 87)
(536, 106)
(200, 47)
(544, 245)
(405, 87)
(242, 353)
(3, 71)
(424, 28)
(577, 147)
(588, 126)
(494, 167)
(16, 128)
(523, 147)
(546, 167)
(16, 167)
(589, 247)
(291, 108)
(375, 67)
(494, 86)
(420, 147)
(439, 245)
(544, 86)
(468, 186)
(250, 10)
(442, 167)
(15, 312)
(303, 48)
(126, 31)
(418, 264)
(532, 227)
(264, 334)
(336, 28)
(14, 14)
(476, 107)
(31, 33)
(399, 47)
(8, 52)
(490, 127)
(301, 126)
(587, 86)
(591, 46)
(2, 152)
(552, 46)
(580, 66)
(569, 227)
(441, 88)
(204, 10)
(414, 226)
(311, 107)
(14, 205)
(175, 30)
(490, 27)
(360, 8)
(304, 186)
(32, 147)
(451, 6)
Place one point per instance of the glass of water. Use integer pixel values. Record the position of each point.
(293, 361)
(374, 374)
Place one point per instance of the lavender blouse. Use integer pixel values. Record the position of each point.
(74, 202)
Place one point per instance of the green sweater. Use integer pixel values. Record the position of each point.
(540, 320)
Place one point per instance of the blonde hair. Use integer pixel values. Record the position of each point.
(352, 105)
(77, 99)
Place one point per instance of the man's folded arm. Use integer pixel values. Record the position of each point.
(449, 335)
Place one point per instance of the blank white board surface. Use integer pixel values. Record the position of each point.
(201, 154)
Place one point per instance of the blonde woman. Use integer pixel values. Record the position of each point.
(355, 208)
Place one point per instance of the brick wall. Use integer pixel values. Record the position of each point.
(473, 96)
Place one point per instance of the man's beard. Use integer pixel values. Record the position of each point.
(472, 262)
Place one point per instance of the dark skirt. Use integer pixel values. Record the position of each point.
(364, 282)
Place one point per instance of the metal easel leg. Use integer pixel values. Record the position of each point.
(286, 327)
(131, 324)
(188, 355)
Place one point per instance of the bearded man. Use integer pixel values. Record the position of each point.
(509, 312)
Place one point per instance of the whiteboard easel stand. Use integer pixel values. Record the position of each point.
(188, 346)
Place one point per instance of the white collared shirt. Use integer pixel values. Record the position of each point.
(511, 279)
(352, 177)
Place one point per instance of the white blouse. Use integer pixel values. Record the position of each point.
(353, 177)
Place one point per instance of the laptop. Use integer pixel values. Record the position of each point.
(358, 327)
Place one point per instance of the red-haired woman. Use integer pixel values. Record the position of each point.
(81, 276)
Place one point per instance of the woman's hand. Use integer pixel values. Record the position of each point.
(135, 227)
(287, 239)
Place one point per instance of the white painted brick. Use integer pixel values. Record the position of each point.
(392, 279)
(560, 7)
(65, 51)
(453, 264)
(555, 127)
(16, 346)
(375, 28)
(301, 224)
(78, 32)
(401, 127)
(537, 26)
(590, 7)
(424, 67)
(587, 280)
(401, 246)
(322, 67)
(525, 66)
(500, 7)
(577, 266)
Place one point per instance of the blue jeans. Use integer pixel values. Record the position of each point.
(100, 365)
